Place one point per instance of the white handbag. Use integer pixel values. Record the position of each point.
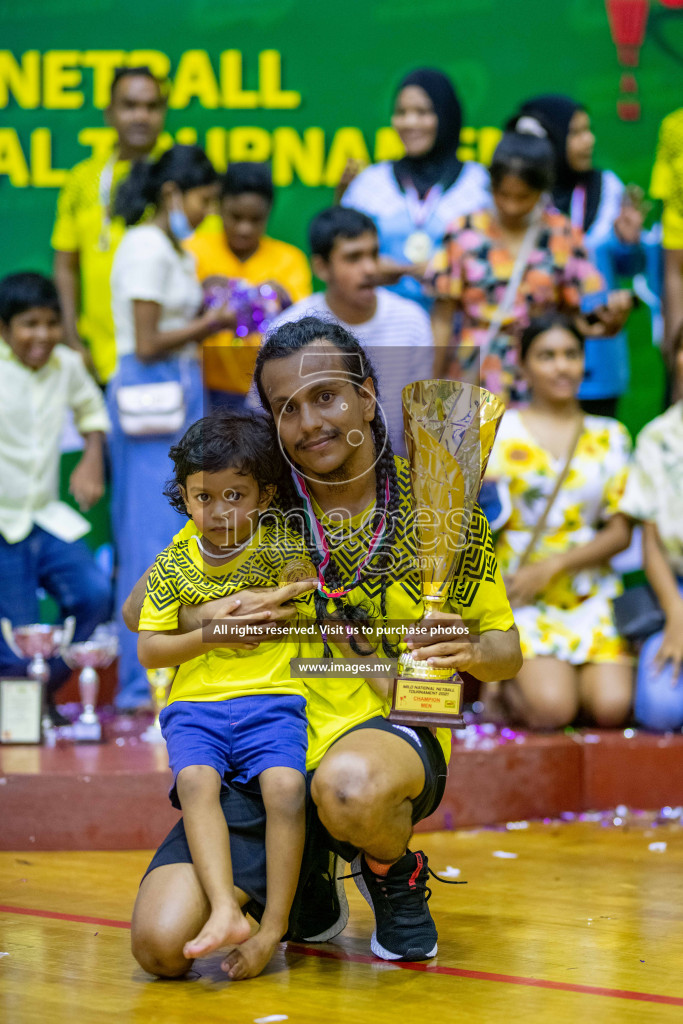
(148, 409)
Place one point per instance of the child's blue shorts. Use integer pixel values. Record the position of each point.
(240, 738)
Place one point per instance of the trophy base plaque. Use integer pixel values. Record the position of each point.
(426, 696)
(20, 711)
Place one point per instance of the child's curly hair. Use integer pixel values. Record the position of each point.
(225, 440)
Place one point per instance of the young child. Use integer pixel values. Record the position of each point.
(240, 248)
(238, 710)
(40, 536)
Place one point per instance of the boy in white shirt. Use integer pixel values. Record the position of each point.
(395, 332)
(40, 536)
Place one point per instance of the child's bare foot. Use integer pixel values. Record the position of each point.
(251, 957)
(227, 924)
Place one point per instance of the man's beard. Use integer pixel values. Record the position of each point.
(338, 476)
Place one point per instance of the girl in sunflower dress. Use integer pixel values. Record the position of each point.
(573, 657)
(470, 273)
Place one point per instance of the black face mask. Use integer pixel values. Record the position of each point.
(440, 165)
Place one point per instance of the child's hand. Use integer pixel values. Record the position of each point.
(283, 295)
(214, 320)
(273, 603)
(86, 484)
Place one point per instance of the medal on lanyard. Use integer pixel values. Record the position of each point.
(104, 193)
(321, 543)
(577, 209)
(418, 245)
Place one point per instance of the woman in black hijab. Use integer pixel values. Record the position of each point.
(598, 205)
(413, 199)
(567, 125)
(431, 155)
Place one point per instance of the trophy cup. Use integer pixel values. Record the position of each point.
(89, 655)
(38, 642)
(450, 429)
(160, 680)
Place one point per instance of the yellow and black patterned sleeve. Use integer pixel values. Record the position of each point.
(162, 598)
(478, 592)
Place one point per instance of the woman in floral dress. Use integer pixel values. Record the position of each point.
(573, 656)
(469, 274)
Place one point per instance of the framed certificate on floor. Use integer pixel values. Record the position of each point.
(20, 711)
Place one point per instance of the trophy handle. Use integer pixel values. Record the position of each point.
(8, 637)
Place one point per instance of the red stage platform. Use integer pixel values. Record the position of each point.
(113, 796)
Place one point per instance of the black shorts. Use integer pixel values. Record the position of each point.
(246, 816)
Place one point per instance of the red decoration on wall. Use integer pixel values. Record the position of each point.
(627, 22)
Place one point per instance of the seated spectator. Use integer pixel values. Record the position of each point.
(563, 473)
(40, 536)
(240, 249)
(611, 219)
(654, 495)
(501, 266)
(394, 331)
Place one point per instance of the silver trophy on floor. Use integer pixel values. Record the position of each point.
(89, 655)
(39, 642)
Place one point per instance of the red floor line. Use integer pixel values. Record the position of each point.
(360, 958)
(508, 979)
(64, 917)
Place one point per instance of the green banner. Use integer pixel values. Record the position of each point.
(307, 85)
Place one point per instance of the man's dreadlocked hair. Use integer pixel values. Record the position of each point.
(293, 337)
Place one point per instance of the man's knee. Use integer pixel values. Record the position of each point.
(159, 952)
(346, 795)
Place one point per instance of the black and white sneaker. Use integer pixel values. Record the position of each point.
(323, 911)
(404, 927)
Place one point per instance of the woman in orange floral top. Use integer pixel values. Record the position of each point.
(561, 595)
(471, 271)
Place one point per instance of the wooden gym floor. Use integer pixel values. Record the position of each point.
(585, 924)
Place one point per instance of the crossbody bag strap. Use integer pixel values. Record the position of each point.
(538, 528)
(506, 303)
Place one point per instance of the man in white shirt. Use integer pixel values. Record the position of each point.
(395, 332)
(40, 536)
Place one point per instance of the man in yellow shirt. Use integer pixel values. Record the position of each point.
(239, 248)
(667, 184)
(373, 778)
(86, 233)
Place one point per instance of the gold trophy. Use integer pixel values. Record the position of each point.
(450, 429)
(160, 681)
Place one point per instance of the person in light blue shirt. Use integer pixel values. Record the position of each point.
(412, 200)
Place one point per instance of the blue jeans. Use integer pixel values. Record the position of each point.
(143, 522)
(69, 573)
(658, 704)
